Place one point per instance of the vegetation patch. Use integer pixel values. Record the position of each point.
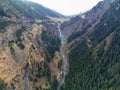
(3, 25)
(2, 85)
(19, 40)
(51, 42)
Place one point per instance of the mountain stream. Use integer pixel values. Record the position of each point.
(63, 56)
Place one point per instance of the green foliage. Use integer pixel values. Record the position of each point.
(108, 23)
(41, 70)
(2, 85)
(2, 13)
(31, 10)
(95, 69)
(19, 40)
(38, 88)
(111, 62)
(52, 44)
(3, 25)
(19, 33)
(80, 63)
(60, 64)
(75, 35)
(21, 46)
(10, 43)
(54, 84)
(12, 50)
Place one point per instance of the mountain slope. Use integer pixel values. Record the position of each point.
(29, 46)
(28, 9)
(95, 58)
(85, 22)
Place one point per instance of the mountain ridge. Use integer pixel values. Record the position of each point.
(94, 56)
(30, 47)
(85, 20)
(40, 10)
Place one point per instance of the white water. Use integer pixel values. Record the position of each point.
(63, 56)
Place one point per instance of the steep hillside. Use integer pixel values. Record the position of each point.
(32, 56)
(17, 8)
(95, 58)
(85, 22)
(29, 46)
